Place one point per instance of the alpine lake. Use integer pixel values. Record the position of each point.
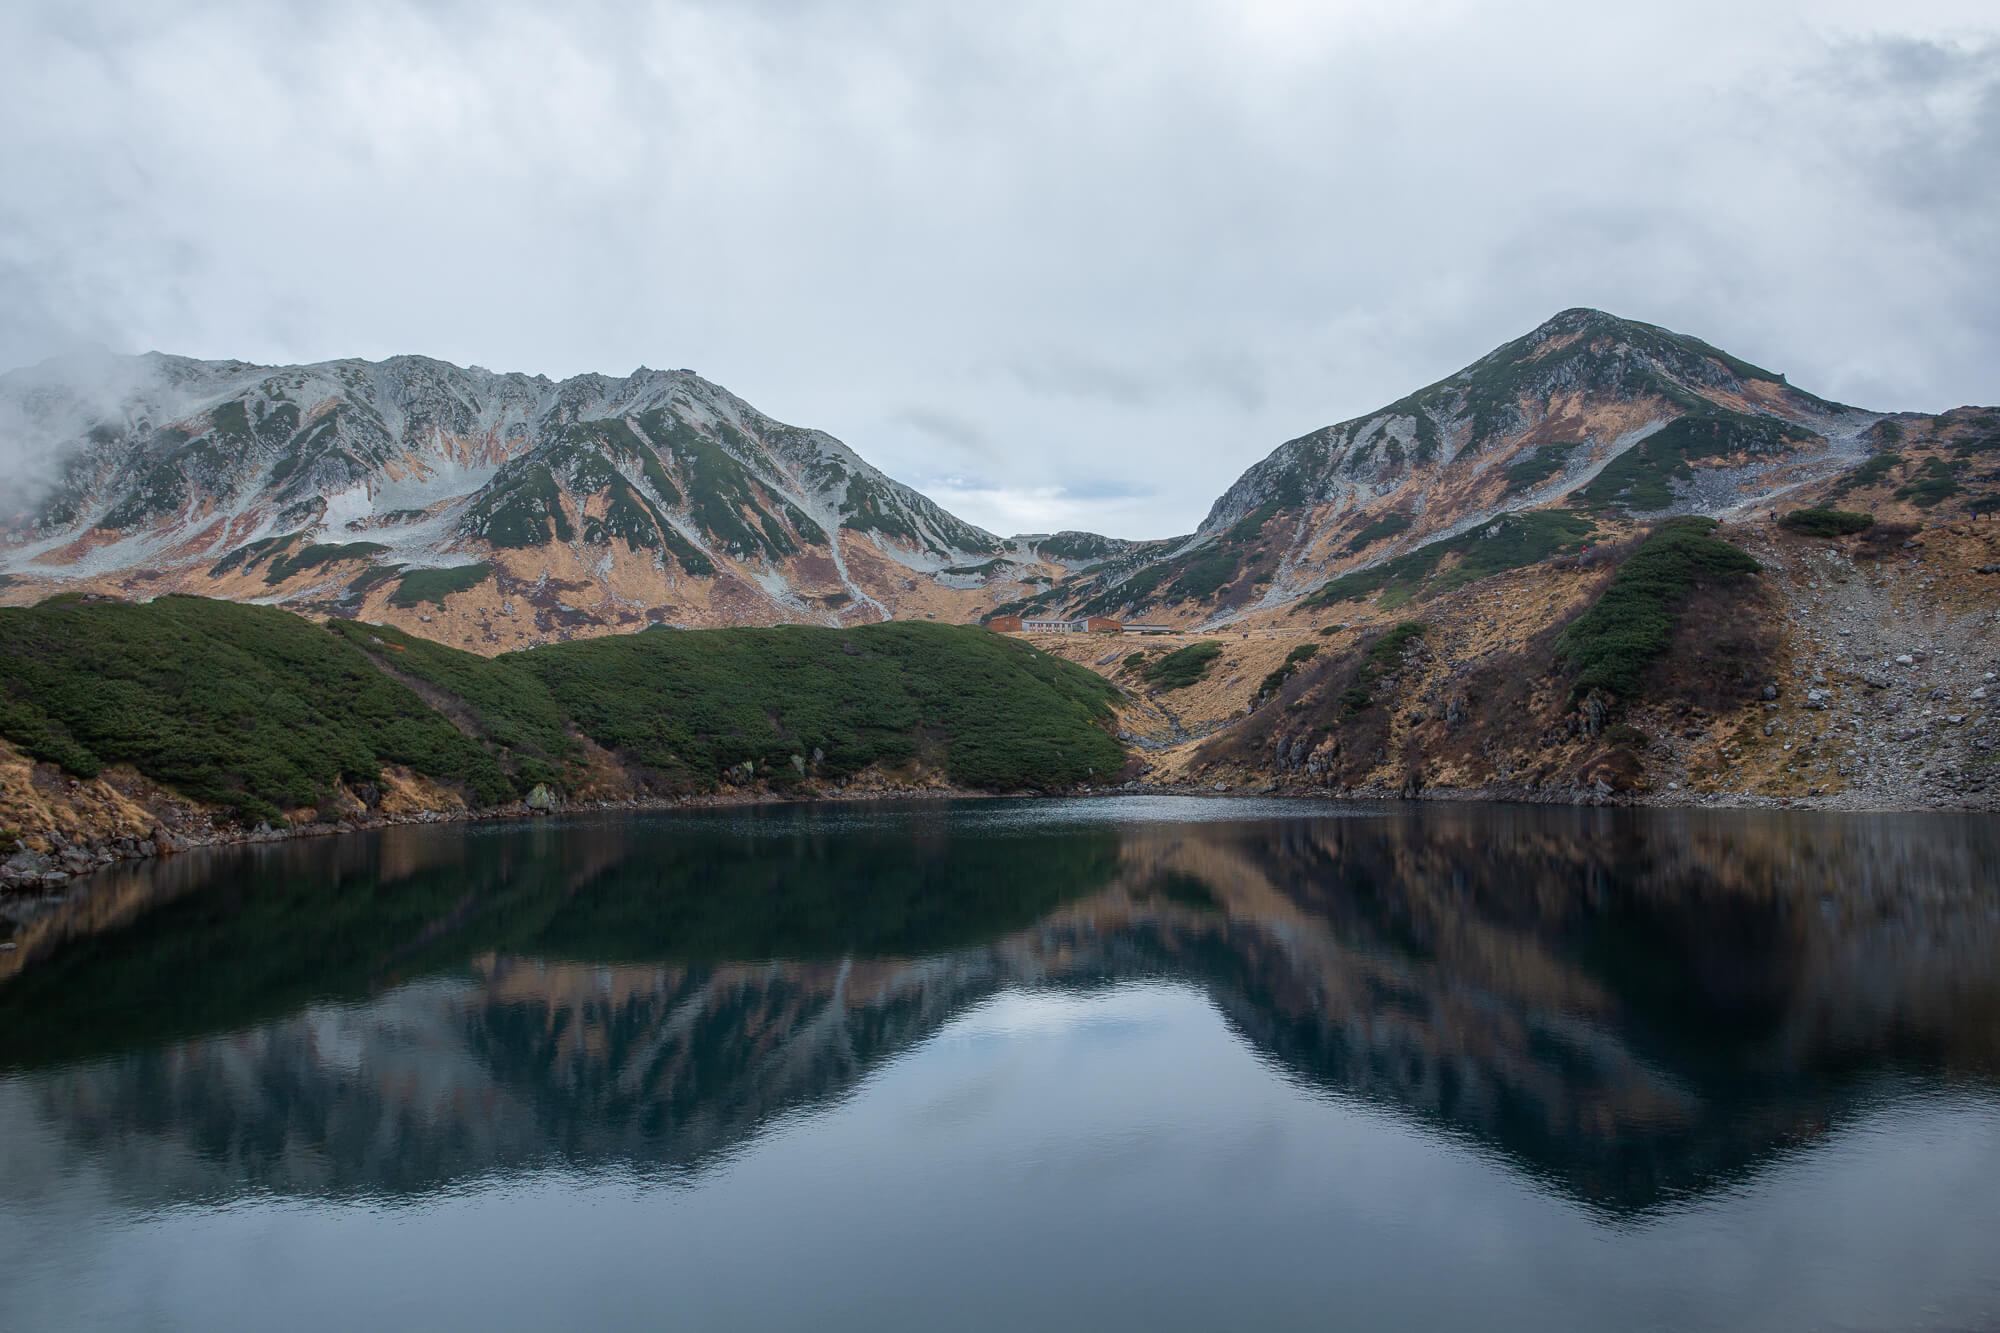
(1118, 1063)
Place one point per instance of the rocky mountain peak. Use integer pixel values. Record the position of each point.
(656, 494)
(1589, 410)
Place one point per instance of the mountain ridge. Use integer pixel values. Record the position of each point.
(339, 476)
(1629, 417)
(494, 510)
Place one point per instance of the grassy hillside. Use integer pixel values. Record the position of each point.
(695, 703)
(510, 709)
(259, 711)
(247, 707)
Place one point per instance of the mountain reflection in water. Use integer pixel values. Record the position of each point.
(1631, 1007)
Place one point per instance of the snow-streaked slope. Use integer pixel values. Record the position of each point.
(655, 497)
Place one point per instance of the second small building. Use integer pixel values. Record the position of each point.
(1037, 625)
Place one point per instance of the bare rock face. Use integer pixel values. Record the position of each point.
(493, 510)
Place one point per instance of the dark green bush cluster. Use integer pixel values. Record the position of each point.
(1386, 526)
(1930, 485)
(1032, 605)
(720, 487)
(1199, 575)
(434, 585)
(1614, 642)
(869, 508)
(523, 506)
(1870, 473)
(1384, 655)
(520, 507)
(1183, 667)
(1294, 660)
(1207, 575)
(1825, 522)
(318, 556)
(1387, 651)
(249, 556)
(1972, 446)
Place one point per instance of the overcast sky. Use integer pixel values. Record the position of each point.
(1066, 264)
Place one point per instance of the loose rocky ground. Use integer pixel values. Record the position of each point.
(1894, 673)
(1884, 682)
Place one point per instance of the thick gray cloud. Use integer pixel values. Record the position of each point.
(1058, 263)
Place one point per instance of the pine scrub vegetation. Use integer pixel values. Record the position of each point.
(1615, 642)
(1183, 667)
(1823, 522)
(246, 707)
(258, 712)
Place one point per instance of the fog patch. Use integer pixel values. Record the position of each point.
(48, 411)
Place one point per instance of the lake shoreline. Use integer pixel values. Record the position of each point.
(29, 874)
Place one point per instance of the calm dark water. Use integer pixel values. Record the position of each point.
(1147, 1063)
